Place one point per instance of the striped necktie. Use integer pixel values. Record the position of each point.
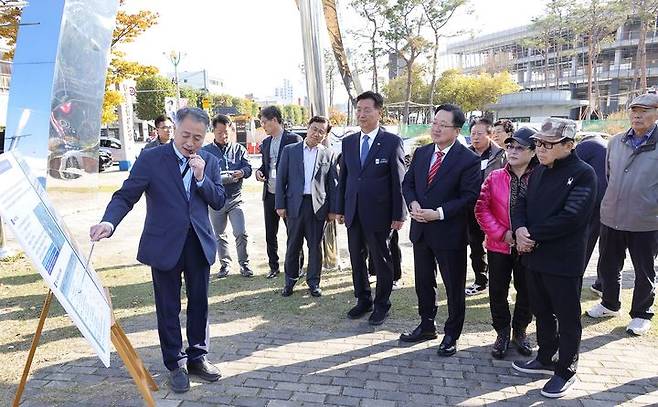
(435, 167)
(186, 174)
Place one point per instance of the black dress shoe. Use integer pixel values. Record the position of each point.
(448, 346)
(273, 273)
(500, 347)
(378, 317)
(315, 291)
(287, 291)
(179, 381)
(418, 335)
(223, 272)
(359, 310)
(520, 340)
(204, 370)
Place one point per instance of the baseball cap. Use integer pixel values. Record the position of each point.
(555, 130)
(522, 136)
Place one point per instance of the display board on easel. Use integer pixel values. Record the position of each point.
(67, 273)
(53, 128)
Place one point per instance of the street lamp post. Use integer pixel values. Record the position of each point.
(175, 58)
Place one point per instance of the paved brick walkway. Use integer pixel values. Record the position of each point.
(355, 366)
(347, 364)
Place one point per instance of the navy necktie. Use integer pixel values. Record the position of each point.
(365, 147)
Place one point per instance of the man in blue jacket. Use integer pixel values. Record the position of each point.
(370, 201)
(180, 182)
(235, 167)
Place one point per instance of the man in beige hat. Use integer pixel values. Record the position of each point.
(550, 220)
(629, 216)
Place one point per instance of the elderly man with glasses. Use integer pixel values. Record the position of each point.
(629, 216)
(550, 221)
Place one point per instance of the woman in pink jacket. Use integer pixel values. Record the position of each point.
(492, 210)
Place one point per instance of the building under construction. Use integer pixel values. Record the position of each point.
(616, 76)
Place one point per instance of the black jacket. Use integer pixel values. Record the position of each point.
(286, 138)
(556, 208)
(455, 189)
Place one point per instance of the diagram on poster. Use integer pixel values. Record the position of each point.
(25, 207)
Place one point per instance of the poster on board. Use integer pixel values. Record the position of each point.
(40, 231)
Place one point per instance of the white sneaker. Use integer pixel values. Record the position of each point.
(599, 311)
(475, 289)
(638, 326)
(397, 285)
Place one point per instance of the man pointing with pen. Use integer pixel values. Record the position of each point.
(180, 182)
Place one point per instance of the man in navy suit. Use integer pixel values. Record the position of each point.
(306, 196)
(271, 149)
(370, 202)
(180, 182)
(441, 186)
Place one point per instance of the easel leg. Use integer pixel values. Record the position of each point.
(33, 348)
(142, 378)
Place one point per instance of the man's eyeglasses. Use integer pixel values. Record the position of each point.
(547, 145)
(445, 126)
(516, 147)
(165, 128)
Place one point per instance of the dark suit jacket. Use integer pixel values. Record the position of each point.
(290, 181)
(169, 214)
(373, 192)
(455, 189)
(287, 138)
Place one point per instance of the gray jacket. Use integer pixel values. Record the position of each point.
(290, 181)
(631, 201)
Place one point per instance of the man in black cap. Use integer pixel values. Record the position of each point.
(550, 221)
(629, 216)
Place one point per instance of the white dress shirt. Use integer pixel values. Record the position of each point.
(310, 156)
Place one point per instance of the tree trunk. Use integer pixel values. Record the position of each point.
(590, 71)
(375, 74)
(558, 57)
(333, 28)
(642, 51)
(546, 67)
(407, 98)
(434, 63)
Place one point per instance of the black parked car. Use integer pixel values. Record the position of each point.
(104, 159)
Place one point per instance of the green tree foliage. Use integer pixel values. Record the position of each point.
(395, 90)
(473, 92)
(151, 93)
(405, 20)
(192, 95)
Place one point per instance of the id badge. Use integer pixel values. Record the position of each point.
(483, 165)
(273, 173)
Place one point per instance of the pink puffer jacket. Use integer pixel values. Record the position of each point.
(492, 210)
